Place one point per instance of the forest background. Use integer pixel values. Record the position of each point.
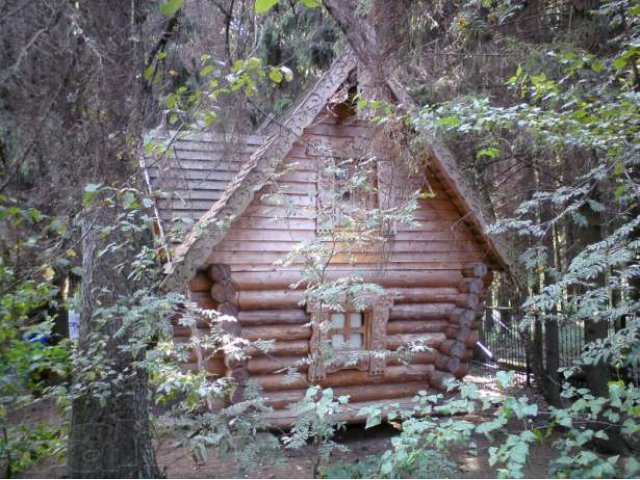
(538, 99)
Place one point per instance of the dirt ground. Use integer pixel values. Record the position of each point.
(178, 463)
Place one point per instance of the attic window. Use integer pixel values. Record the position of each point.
(346, 193)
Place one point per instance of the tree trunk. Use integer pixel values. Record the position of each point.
(551, 379)
(598, 375)
(110, 429)
(110, 434)
(376, 39)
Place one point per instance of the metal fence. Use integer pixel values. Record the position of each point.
(502, 342)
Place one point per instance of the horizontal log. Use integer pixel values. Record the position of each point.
(416, 326)
(203, 300)
(217, 357)
(423, 295)
(451, 331)
(269, 365)
(219, 272)
(476, 270)
(470, 321)
(200, 283)
(269, 299)
(430, 339)
(472, 339)
(453, 348)
(282, 279)
(254, 318)
(285, 418)
(277, 332)
(488, 279)
(420, 311)
(472, 285)
(261, 223)
(448, 364)
(462, 370)
(344, 378)
(468, 300)
(333, 130)
(283, 348)
(236, 235)
(203, 326)
(360, 393)
(288, 242)
(417, 358)
(222, 292)
(426, 236)
(214, 366)
(181, 333)
(462, 316)
(439, 380)
(395, 260)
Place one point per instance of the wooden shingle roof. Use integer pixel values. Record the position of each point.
(195, 171)
(257, 169)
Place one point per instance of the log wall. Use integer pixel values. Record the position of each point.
(436, 274)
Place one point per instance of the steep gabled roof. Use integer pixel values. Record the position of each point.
(195, 170)
(214, 224)
(258, 169)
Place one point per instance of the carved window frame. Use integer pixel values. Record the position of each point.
(375, 317)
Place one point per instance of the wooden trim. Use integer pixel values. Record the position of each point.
(214, 224)
(375, 319)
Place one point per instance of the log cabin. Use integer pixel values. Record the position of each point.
(433, 271)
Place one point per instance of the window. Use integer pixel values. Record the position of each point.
(346, 193)
(347, 330)
(351, 335)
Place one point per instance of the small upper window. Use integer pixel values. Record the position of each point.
(347, 192)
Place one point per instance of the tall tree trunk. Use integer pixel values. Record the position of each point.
(551, 379)
(598, 374)
(111, 434)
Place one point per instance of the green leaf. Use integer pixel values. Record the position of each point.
(170, 7)
(148, 72)
(450, 121)
(275, 75)
(206, 70)
(311, 3)
(488, 152)
(210, 118)
(263, 6)
(288, 74)
(631, 468)
(90, 191)
(505, 379)
(129, 200)
(619, 63)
